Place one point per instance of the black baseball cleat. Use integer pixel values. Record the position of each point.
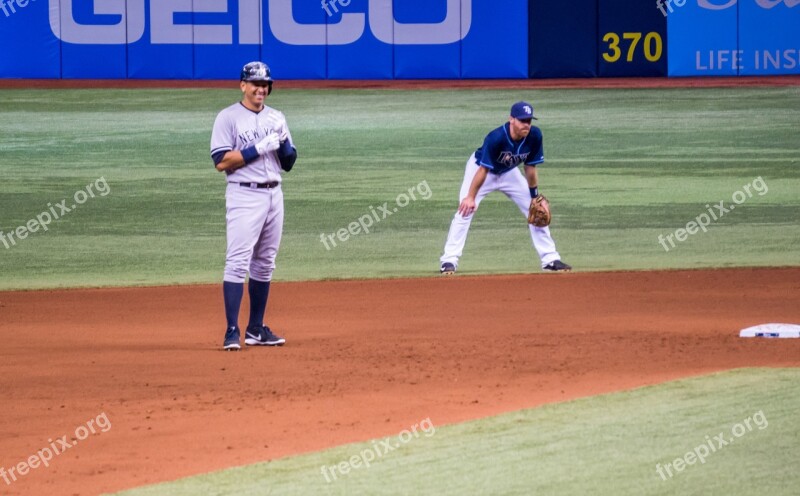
(262, 336)
(557, 266)
(447, 269)
(231, 339)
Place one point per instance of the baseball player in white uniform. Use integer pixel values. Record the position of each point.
(251, 143)
(495, 167)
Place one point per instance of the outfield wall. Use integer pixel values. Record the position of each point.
(386, 39)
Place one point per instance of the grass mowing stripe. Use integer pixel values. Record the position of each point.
(622, 167)
(605, 445)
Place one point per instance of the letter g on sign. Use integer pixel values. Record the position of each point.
(129, 29)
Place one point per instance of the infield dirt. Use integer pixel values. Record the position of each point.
(363, 359)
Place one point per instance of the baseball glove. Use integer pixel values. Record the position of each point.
(539, 212)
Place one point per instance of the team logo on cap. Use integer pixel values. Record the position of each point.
(528, 110)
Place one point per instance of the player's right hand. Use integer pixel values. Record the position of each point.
(269, 144)
(467, 207)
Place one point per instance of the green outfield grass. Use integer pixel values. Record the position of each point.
(622, 167)
(611, 445)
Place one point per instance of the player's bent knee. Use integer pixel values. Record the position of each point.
(235, 273)
(464, 218)
(227, 277)
(261, 273)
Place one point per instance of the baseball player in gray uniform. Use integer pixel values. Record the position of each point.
(251, 143)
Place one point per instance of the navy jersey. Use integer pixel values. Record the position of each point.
(500, 154)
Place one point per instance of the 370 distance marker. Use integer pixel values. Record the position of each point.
(652, 46)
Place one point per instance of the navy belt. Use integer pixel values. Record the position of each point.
(273, 184)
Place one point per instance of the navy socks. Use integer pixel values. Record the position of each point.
(233, 292)
(259, 292)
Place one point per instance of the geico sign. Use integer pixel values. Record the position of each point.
(163, 30)
(724, 4)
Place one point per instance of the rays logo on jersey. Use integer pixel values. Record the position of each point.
(510, 160)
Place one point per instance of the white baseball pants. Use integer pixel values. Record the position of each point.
(515, 186)
(254, 228)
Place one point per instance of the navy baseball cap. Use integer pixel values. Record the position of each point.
(522, 110)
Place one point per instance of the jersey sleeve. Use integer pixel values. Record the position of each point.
(223, 138)
(537, 147)
(488, 150)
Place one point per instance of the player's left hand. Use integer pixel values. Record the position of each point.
(467, 207)
(268, 144)
(539, 212)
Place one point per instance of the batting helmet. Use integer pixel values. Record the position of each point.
(257, 71)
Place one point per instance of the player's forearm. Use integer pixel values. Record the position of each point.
(236, 159)
(232, 161)
(477, 181)
(532, 174)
